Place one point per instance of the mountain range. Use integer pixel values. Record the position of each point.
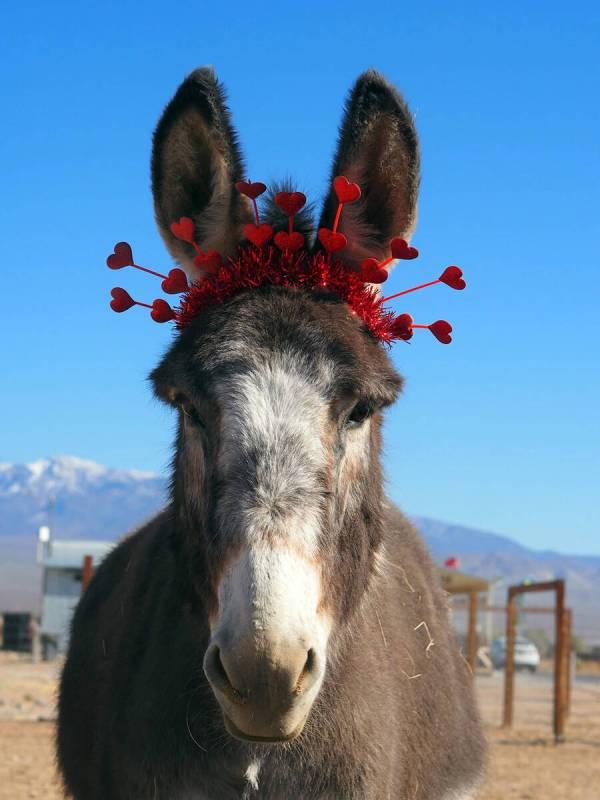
(81, 499)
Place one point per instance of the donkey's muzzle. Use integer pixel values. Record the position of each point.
(266, 694)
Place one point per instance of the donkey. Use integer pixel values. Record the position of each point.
(278, 631)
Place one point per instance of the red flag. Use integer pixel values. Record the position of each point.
(451, 562)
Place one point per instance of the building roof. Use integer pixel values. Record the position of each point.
(459, 582)
(70, 554)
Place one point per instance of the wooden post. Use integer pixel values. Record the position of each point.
(88, 571)
(473, 600)
(509, 662)
(36, 640)
(568, 658)
(561, 650)
(560, 662)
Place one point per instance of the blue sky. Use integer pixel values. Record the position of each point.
(501, 429)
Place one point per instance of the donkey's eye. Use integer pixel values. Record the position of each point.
(191, 414)
(361, 411)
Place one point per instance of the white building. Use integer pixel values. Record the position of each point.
(62, 566)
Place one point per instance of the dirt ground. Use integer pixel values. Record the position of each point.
(524, 763)
(27, 695)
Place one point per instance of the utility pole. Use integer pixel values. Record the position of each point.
(51, 513)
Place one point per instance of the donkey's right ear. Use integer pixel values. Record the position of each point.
(196, 162)
(378, 149)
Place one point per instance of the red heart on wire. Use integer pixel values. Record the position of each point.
(122, 300)
(402, 327)
(210, 261)
(332, 242)
(184, 229)
(290, 202)
(259, 235)
(122, 256)
(400, 249)
(441, 330)
(371, 272)
(161, 311)
(175, 282)
(251, 190)
(346, 192)
(289, 241)
(452, 276)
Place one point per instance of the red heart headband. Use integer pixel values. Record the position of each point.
(280, 259)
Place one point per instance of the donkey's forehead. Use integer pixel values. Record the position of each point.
(281, 386)
(244, 364)
(318, 345)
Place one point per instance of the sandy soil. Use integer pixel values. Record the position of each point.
(27, 762)
(524, 763)
(27, 691)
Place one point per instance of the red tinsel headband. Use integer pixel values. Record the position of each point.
(281, 259)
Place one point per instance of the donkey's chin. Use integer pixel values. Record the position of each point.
(277, 736)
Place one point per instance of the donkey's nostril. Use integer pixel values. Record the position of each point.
(217, 674)
(219, 668)
(311, 661)
(309, 672)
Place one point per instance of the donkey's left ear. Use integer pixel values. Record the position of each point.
(196, 162)
(378, 149)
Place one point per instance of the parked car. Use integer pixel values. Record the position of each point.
(527, 656)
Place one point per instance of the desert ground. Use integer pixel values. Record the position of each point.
(525, 764)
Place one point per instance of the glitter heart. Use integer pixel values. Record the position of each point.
(184, 229)
(441, 330)
(161, 311)
(289, 241)
(122, 256)
(175, 282)
(452, 276)
(401, 249)
(290, 202)
(332, 242)
(346, 192)
(402, 327)
(371, 272)
(121, 301)
(259, 235)
(251, 190)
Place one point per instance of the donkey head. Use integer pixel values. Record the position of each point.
(277, 485)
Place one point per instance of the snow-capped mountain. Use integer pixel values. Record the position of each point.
(61, 472)
(80, 498)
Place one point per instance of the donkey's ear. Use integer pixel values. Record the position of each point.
(378, 149)
(196, 161)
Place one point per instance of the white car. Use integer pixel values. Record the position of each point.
(527, 656)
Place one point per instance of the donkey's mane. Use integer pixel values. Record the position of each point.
(272, 214)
